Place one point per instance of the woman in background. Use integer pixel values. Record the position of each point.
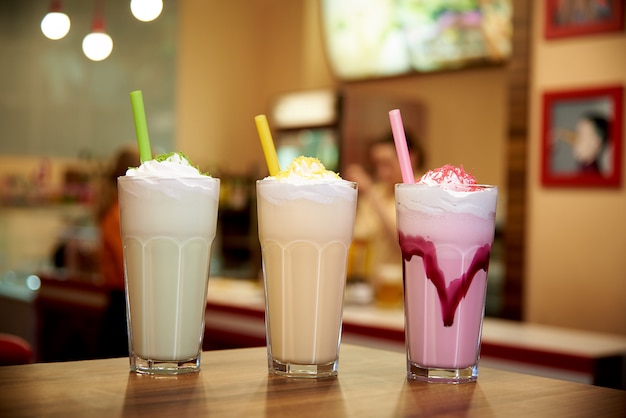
(375, 223)
(114, 337)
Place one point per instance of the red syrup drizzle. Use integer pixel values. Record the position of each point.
(451, 296)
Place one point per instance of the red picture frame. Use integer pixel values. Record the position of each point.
(565, 18)
(582, 137)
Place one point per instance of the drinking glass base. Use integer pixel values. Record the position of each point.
(438, 375)
(164, 367)
(310, 371)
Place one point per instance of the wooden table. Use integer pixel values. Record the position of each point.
(235, 383)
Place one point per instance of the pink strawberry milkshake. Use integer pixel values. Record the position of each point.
(445, 227)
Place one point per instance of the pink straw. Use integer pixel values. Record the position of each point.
(401, 148)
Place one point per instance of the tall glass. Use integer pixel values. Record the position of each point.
(445, 237)
(168, 226)
(305, 231)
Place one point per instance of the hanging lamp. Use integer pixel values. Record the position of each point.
(146, 10)
(55, 24)
(97, 45)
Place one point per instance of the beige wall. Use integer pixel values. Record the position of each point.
(576, 237)
(218, 82)
(234, 57)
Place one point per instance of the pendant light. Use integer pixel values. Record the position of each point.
(56, 24)
(146, 10)
(97, 45)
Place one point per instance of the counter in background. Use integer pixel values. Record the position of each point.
(235, 318)
(69, 313)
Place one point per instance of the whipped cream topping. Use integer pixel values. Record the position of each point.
(306, 178)
(448, 189)
(173, 165)
(307, 169)
(448, 177)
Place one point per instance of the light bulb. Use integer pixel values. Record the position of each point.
(146, 10)
(97, 46)
(55, 25)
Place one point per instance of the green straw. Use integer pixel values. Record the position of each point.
(141, 127)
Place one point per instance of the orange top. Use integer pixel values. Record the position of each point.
(111, 251)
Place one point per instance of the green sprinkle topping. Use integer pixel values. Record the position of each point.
(162, 157)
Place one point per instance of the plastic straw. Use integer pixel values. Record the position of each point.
(268, 144)
(401, 148)
(141, 127)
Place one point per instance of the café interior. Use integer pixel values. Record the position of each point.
(556, 285)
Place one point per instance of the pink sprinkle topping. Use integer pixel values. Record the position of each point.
(448, 175)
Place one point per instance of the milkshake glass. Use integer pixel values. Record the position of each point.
(445, 232)
(168, 225)
(305, 231)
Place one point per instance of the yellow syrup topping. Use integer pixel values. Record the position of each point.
(308, 168)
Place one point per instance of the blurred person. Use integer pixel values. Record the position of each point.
(114, 338)
(375, 224)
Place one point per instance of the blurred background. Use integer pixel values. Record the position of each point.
(469, 80)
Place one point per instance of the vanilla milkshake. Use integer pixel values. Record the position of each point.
(306, 219)
(445, 228)
(168, 213)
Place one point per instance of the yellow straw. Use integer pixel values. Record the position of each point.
(268, 144)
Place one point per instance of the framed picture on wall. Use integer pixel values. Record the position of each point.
(565, 18)
(582, 137)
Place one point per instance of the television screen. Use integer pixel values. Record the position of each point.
(382, 38)
(321, 143)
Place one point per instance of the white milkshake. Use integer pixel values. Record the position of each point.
(306, 219)
(168, 213)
